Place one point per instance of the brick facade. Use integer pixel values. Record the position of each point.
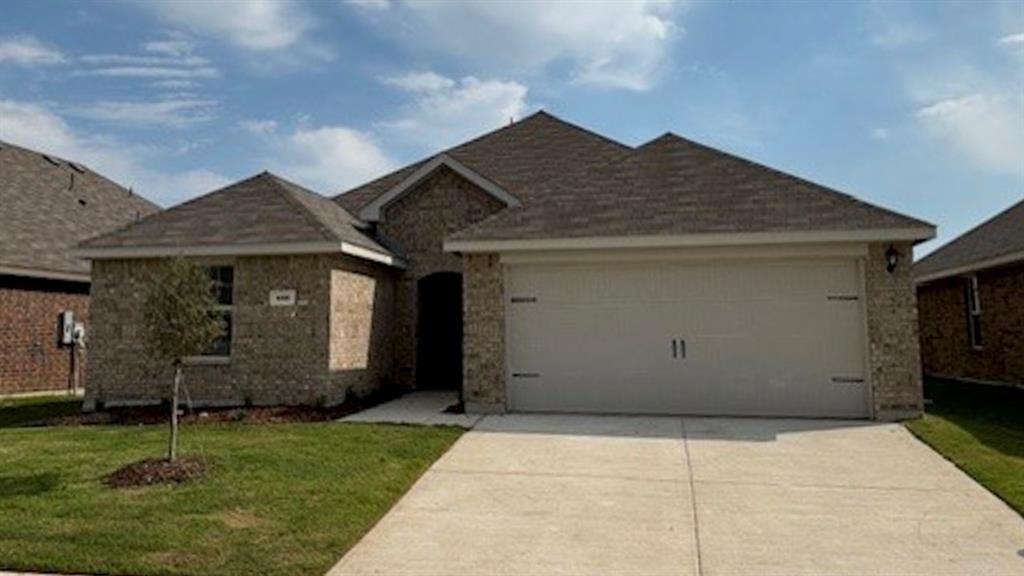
(416, 224)
(30, 358)
(484, 334)
(945, 347)
(893, 352)
(313, 352)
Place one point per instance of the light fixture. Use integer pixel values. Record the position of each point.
(892, 258)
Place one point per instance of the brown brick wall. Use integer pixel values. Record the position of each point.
(30, 359)
(280, 355)
(894, 354)
(417, 224)
(483, 386)
(945, 346)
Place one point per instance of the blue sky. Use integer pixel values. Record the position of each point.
(917, 106)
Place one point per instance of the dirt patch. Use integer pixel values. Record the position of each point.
(157, 471)
(240, 519)
(159, 415)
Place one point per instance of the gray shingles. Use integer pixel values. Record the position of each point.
(262, 209)
(574, 183)
(1001, 235)
(47, 207)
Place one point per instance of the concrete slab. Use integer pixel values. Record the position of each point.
(533, 502)
(421, 407)
(550, 494)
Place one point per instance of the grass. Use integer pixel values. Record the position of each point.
(28, 409)
(981, 430)
(280, 499)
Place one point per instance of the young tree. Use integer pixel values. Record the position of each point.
(179, 324)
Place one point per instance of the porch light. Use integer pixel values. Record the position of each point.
(892, 258)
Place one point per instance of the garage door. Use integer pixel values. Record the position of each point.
(759, 337)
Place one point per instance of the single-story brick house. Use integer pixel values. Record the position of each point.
(47, 206)
(971, 298)
(539, 267)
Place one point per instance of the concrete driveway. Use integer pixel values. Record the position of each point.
(547, 495)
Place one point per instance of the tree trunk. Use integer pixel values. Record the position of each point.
(172, 448)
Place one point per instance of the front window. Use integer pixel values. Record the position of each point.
(973, 311)
(222, 282)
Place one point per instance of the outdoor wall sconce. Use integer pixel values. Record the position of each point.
(892, 258)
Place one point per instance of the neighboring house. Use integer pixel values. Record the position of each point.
(540, 267)
(971, 300)
(47, 206)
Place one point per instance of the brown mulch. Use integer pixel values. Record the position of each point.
(157, 471)
(155, 415)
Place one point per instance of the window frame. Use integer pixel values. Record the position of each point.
(214, 356)
(972, 297)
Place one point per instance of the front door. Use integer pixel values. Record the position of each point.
(439, 332)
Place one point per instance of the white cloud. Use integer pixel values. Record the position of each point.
(1013, 39)
(120, 59)
(445, 112)
(329, 159)
(376, 5)
(420, 82)
(28, 51)
(258, 127)
(879, 133)
(178, 46)
(34, 126)
(173, 84)
(172, 113)
(151, 72)
(258, 25)
(613, 44)
(989, 129)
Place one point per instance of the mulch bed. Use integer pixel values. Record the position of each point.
(157, 471)
(155, 415)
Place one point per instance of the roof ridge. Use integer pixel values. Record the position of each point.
(669, 135)
(970, 232)
(289, 196)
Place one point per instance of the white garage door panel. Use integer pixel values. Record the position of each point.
(762, 337)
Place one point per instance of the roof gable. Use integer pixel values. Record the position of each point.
(48, 205)
(996, 241)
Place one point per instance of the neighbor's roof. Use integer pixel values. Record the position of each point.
(263, 214)
(997, 241)
(48, 205)
(573, 183)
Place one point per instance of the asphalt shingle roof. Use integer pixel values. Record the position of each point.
(575, 183)
(262, 209)
(47, 206)
(1001, 235)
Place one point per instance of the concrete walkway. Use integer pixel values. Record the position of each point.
(424, 407)
(550, 495)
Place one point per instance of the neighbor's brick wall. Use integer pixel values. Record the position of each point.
(945, 348)
(279, 355)
(416, 224)
(483, 386)
(30, 359)
(893, 348)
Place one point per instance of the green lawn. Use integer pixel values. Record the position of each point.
(981, 430)
(19, 411)
(281, 498)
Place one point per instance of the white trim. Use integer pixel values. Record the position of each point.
(698, 253)
(267, 249)
(685, 240)
(372, 211)
(980, 265)
(45, 274)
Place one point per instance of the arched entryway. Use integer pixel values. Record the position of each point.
(439, 331)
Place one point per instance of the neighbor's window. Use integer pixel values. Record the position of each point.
(973, 311)
(222, 281)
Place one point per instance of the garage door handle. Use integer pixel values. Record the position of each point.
(682, 348)
(675, 351)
